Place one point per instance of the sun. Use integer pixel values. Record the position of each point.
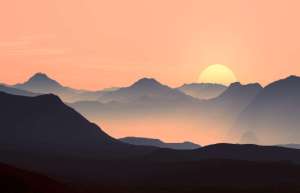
(217, 73)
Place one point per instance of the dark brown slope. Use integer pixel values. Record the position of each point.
(13, 180)
(247, 152)
(209, 176)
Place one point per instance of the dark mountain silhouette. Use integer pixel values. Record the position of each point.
(250, 152)
(44, 120)
(15, 91)
(203, 90)
(42, 83)
(17, 180)
(158, 143)
(295, 146)
(247, 152)
(144, 89)
(43, 134)
(274, 115)
(210, 176)
(45, 124)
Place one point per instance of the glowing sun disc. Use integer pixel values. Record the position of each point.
(217, 73)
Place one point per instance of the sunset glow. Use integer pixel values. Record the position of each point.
(96, 44)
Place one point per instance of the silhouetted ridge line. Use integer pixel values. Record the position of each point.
(158, 143)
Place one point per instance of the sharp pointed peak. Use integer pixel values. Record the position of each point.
(147, 82)
(147, 79)
(40, 77)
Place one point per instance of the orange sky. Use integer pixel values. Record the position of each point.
(95, 43)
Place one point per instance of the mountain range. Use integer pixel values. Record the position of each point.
(45, 136)
(145, 89)
(244, 113)
(42, 83)
(158, 143)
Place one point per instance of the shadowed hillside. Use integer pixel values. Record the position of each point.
(273, 116)
(14, 180)
(45, 123)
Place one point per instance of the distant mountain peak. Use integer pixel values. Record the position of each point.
(147, 82)
(42, 77)
(40, 82)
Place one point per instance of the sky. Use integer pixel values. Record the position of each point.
(94, 44)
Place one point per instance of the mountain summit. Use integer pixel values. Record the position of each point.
(42, 78)
(41, 83)
(146, 83)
